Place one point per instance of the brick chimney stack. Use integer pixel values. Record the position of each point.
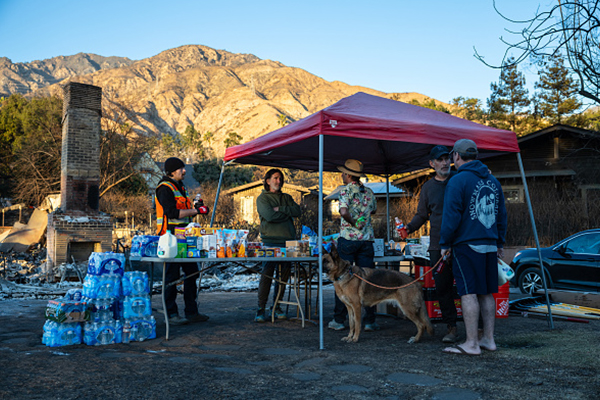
(80, 164)
(78, 228)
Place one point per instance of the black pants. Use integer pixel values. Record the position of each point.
(189, 288)
(271, 269)
(444, 288)
(360, 253)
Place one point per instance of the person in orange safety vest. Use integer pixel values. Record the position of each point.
(175, 208)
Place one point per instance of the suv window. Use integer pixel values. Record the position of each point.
(586, 243)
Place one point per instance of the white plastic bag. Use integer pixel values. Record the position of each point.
(505, 272)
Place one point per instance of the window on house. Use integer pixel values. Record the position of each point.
(334, 207)
(513, 194)
(247, 206)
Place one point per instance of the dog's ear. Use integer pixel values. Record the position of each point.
(334, 252)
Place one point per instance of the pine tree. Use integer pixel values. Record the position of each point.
(509, 99)
(557, 90)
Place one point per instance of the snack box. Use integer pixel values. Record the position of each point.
(194, 242)
(196, 253)
(209, 242)
(179, 232)
(181, 248)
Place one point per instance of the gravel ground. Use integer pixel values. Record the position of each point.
(232, 357)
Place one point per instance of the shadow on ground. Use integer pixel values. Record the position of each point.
(232, 357)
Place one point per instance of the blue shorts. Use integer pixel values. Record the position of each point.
(474, 273)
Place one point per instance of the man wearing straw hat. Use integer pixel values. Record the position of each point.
(355, 243)
(474, 226)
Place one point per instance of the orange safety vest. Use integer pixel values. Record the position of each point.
(182, 202)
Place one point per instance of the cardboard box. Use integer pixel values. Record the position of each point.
(292, 243)
(584, 299)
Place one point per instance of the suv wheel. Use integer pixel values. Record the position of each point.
(530, 281)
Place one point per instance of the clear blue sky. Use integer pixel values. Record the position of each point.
(423, 46)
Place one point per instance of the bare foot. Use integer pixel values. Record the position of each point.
(487, 346)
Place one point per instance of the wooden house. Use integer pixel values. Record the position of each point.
(244, 198)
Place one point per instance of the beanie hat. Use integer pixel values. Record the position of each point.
(173, 164)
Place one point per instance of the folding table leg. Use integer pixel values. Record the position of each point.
(164, 302)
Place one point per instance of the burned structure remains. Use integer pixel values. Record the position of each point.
(78, 228)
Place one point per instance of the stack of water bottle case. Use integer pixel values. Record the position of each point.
(113, 307)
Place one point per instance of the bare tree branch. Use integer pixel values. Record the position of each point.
(569, 27)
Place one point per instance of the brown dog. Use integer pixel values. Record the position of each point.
(356, 293)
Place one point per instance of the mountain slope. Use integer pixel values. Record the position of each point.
(213, 90)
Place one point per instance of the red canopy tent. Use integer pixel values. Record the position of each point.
(387, 136)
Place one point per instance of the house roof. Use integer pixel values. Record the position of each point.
(554, 129)
(378, 189)
(254, 184)
(189, 182)
(557, 128)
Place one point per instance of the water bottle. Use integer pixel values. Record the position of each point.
(89, 333)
(134, 332)
(69, 334)
(90, 286)
(112, 266)
(137, 306)
(106, 332)
(152, 322)
(74, 295)
(135, 282)
(49, 336)
(126, 332)
(105, 311)
(118, 324)
(109, 286)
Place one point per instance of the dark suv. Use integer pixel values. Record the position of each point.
(573, 264)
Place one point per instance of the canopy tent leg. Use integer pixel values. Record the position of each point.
(537, 240)
(212, 218)
(387, 208)
(320, 242)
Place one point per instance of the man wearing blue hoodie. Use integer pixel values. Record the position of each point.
(474, 227)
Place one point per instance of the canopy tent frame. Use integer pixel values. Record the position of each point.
(291, 146)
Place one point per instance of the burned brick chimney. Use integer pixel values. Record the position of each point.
(78, 228)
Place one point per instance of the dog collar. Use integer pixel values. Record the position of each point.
(347, 272)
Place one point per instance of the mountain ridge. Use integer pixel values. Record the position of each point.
(213, 90)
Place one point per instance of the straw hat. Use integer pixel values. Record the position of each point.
(352, 167)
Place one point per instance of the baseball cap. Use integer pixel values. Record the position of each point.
(465, 146)
(438, 151)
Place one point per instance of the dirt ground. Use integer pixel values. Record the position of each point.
(231, 357)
